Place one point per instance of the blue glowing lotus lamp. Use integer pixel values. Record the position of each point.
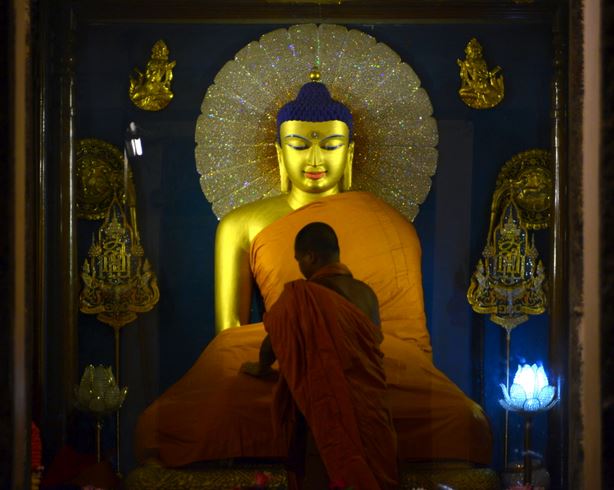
(530, 392)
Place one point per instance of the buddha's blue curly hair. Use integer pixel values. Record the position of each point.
(314, 104)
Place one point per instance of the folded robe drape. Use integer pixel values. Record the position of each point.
(213, 412)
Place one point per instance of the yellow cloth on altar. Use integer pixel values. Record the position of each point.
(214, 412)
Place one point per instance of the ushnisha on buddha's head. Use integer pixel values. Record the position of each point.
(315, 147)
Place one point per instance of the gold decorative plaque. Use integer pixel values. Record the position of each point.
(527, 176)
(394, 129)
(151, 91)
(100, 176)
(118, 279)
(481, 88)
(508, 281)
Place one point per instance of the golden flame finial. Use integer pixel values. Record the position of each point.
(314, 74)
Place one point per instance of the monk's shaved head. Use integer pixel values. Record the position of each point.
(320, 239)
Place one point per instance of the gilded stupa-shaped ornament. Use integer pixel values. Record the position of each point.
(508, 281)
(118, 280)
(480, 88)
(151, 91)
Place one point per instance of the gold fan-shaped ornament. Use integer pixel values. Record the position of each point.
(527, 177)
(395, 133)
(100, 177)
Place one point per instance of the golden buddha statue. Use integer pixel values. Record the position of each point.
(214, 412)
(315, 161)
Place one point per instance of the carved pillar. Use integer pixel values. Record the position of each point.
(559, 326)
(57, 284)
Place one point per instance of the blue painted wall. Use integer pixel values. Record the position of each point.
(177, 226)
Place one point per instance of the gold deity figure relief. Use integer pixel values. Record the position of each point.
(151, 91)
(481, 88)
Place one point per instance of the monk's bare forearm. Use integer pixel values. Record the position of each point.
(267, 356)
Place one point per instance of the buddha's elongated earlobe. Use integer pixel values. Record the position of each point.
(284, 180)
(346, 185)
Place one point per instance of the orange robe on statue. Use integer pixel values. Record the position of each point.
(332, 368)
(213, 412)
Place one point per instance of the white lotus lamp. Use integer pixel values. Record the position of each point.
(530, 391)
(529, 394)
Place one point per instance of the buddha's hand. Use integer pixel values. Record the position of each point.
(257, 370)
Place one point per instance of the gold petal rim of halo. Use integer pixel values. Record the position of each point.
(238, 110)
(100, 175)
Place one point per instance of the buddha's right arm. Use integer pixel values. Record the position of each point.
(233, 278)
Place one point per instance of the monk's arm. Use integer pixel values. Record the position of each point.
(267, 356)
(262, 368)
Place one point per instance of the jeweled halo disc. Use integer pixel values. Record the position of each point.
(394, 131)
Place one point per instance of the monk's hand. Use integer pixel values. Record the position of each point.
(257, 370)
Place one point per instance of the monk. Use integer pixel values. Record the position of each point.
(326, 335)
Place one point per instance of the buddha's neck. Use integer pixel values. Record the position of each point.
(298, 198)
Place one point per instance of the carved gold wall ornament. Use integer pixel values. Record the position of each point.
(527, 176)
(118, 280)
(481, 88)
(151, 91)
(508, 281)
(100, 176)
(393, 116)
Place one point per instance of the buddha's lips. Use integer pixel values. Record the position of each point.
(314, 175)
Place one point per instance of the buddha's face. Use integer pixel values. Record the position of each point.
(314, 154)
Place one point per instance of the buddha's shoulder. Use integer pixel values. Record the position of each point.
(253, 217)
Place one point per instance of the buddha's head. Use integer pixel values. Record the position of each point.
(315, 147)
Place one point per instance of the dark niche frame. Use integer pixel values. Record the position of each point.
(54, 289)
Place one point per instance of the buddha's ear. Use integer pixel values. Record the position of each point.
(284, 180)
(347, 173)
